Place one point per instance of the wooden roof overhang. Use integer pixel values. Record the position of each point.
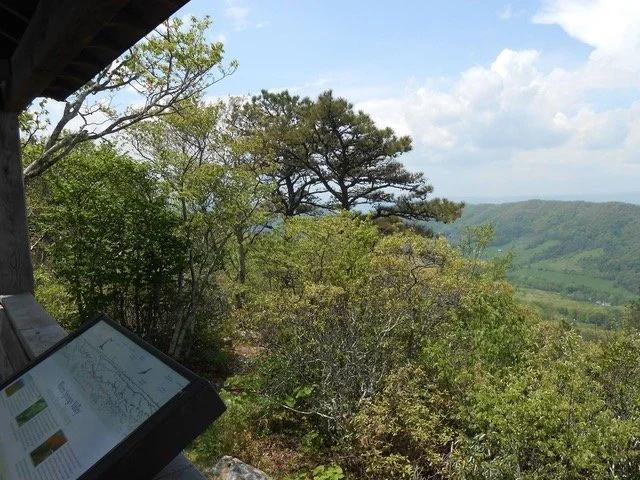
(50, 48)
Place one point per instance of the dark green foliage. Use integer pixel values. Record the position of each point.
(324, 156)
(110, 237)
(276, 146)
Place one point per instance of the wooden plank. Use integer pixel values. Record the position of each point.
(57, 33)
(16, 356)
(16, 274)
(35, 331)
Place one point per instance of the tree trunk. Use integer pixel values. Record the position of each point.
(242, 267)
(186, 324)
(16, 272)
(344, 197)
(183, 313)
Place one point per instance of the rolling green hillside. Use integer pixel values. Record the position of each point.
(582, 251)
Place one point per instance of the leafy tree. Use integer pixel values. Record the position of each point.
(403, 432)
(548, 419)
(166, 69)
(356, 163)
(342, 307)
(218, 199)
(107, 233)
(326, 156)
(271, 127)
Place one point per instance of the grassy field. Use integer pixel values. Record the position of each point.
(571, 285)
(573, 276)
(555, 306)
(577, 263)
(523, 254)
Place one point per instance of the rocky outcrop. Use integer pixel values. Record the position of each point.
(229, 468)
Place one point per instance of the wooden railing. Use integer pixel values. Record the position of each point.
(26, 331)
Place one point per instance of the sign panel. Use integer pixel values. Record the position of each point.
(63, 415)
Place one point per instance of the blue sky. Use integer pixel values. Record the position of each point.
(533, 98)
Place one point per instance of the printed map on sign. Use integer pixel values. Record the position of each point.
(124, 383)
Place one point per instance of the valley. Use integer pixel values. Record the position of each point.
(579, 261)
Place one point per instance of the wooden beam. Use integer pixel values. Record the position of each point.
(16, 273)
(36, 330)
(56, 35)
(11, 9)
(5, 69)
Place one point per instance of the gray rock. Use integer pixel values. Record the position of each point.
(229, 468)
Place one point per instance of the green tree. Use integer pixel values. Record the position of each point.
(326, 156)
(166, 69)
(356, 162)
(341, 306)
(107, 233)
(277, 147)
(218, 198)
(551, 418)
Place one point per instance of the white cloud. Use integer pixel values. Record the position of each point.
(240, 16)
(610, 26)
(508, 13)
(511, 128)
(238, 13)
(503, 106)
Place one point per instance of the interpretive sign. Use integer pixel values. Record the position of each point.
(100, 404)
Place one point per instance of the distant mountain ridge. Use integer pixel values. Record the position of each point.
(626, 197)
(588, 251)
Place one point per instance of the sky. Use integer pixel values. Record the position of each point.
(527, 98)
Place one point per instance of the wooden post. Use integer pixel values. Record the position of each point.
(16, 272)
